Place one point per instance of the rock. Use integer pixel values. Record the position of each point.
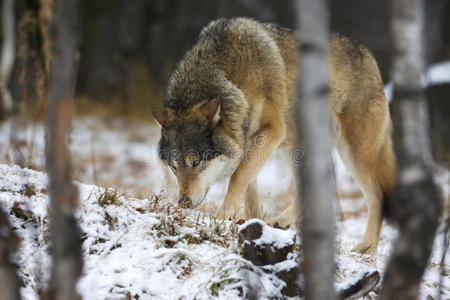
(264, 245)
(269, 248)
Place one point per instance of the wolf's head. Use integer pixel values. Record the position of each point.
(194, 149)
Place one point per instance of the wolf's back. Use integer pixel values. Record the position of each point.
(241, 51)
(243, 61)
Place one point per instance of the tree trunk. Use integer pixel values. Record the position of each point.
(416, 205)
(66, 239)
(312, 121)
(9, 282)
(7, 54)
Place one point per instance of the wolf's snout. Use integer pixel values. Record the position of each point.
(185, 201)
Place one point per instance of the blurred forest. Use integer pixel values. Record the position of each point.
(129, 48)
(127, 44)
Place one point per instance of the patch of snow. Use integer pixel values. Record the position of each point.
(389, 91)
(271, 236)
(438, 73)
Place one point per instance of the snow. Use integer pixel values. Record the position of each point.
(389, 91)
(438, 73)
(271, 236)
(144, 246)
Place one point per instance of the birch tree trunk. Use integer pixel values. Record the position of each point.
(416, 206)
(312, 121)
(9, 282)
(7, 54)
(66, 238)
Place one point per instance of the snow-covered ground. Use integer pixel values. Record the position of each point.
(136, 244)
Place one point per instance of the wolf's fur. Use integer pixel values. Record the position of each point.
(228, 104)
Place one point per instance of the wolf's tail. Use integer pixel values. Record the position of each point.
(387, 202)
(387, 176)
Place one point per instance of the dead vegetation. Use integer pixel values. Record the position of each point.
(174, 220)
(109, 197)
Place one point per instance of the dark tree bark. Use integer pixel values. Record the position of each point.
(312, 121)
(9, 282)
(439, 107)
(416, 205)
(66, 240)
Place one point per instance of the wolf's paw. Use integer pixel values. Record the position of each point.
(279, 223)
(365, 248)
(230, 212)
(255, 213)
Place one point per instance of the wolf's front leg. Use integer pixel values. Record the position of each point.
(263, 144)
(252, 207)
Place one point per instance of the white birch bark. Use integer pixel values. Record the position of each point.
(312, 121)
(416, 206)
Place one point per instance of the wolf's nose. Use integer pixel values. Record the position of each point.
(185, 202)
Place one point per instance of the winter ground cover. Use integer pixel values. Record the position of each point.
(137, 244)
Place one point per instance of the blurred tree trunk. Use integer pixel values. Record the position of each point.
(312, 121)
(7, 54)
(66, 238)
(416, 205)
(9, 282)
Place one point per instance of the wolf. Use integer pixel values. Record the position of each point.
(228, 105)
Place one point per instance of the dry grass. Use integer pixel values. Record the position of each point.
(110, 197)
(174, 220)
(176, 224)
(113, 107)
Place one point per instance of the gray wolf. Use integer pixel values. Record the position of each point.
(236, 87)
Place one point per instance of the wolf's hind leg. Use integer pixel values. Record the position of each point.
(381, 183)
(252, 207)
(373, 196)
(364, 171)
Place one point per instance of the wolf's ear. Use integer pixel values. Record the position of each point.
(212, 111)
(159, 114)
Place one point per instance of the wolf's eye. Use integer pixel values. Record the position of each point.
(171, 165)
(195, 163)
